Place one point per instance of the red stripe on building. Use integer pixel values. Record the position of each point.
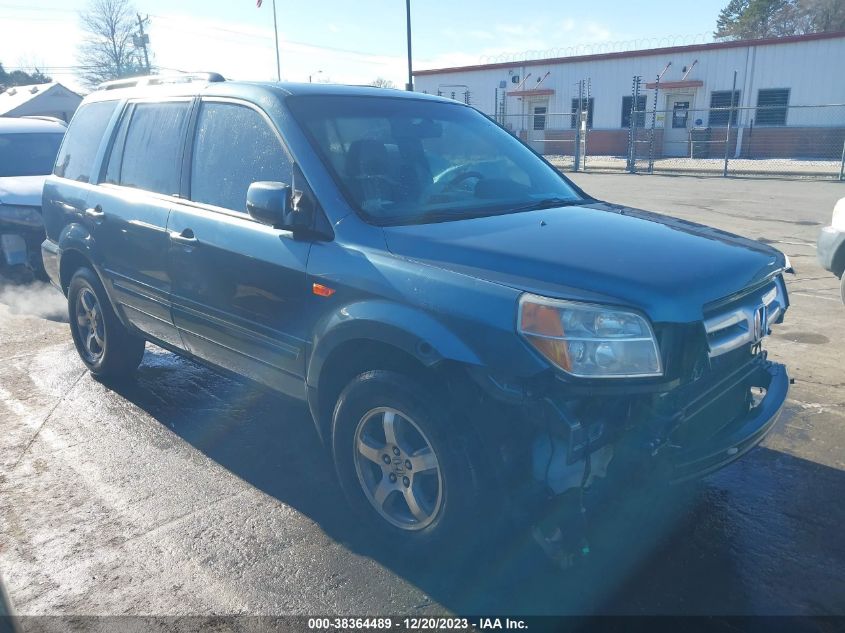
(638, 53)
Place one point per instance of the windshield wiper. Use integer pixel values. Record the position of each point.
(548, 203)
(448, 216)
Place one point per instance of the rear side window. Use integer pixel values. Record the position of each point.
(234, 147)
(149, 155)
(82, 140)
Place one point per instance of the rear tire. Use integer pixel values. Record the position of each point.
(416, 509)
(106, 347)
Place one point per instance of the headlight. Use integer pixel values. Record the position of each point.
(589, 341)
(22, 216)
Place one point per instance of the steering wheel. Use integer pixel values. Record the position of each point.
(459, 178)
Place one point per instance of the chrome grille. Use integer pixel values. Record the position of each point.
(745, 321)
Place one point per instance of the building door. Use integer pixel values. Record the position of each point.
(538, 119)
(676, 125)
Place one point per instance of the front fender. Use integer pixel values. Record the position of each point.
(407, 328)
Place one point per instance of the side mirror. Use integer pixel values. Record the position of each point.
(273, 203)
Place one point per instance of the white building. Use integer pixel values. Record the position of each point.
(774, 77)
(51, 99)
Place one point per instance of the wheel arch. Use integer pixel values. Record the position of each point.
(77, 252)
(76, 247)
(71, 261)
(378, 336)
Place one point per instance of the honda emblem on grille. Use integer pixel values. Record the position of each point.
(759, 325)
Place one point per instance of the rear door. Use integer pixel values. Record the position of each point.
(66, 192)
(130, 208)
(238, 286)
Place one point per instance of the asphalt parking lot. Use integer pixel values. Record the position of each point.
(186, 493)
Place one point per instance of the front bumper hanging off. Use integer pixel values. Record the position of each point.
(742, 434)
(680, 435)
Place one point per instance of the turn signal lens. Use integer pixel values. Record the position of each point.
(541, 325)
(322, 291)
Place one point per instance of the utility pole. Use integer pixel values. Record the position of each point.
(728, 128)
(142, 40)
(410, 85)
(276, 34)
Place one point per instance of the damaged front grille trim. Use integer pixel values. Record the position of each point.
(746, 323)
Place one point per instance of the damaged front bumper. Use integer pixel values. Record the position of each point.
(682, 434)
(20, 238)
(743, 433)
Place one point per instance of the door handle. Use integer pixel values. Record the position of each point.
(186, 237)
(95, 212)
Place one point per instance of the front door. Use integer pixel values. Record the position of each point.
(239, 287)
(676, 125)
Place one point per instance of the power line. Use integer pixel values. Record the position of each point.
(23, 7)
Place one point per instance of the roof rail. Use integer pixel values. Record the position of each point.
(155, 80)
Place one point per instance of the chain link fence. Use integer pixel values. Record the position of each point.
(799, 141)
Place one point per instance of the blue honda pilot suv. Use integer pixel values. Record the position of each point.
(471, 331)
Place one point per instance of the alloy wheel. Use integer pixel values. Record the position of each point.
(89, 325)
(398, 469)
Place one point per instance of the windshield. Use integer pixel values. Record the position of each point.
(403, 161)
(28, 154)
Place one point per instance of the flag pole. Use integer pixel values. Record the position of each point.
(276, 33)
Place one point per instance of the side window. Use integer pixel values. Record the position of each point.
(152, 149)
(82, 140)
(234, 147)
(116, 157)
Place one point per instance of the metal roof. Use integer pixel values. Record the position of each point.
(637, 53)
(16, 96)
(13, 125)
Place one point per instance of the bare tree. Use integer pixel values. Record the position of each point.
(381, 82)
(109, 50)
(21, 78)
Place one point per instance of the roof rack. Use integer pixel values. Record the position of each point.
(155, 80)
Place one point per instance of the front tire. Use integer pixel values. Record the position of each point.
(406, 466)
(106, 347)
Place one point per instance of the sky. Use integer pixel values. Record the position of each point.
(354, 41)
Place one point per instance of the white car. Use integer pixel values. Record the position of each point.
(831, 245)
(28, 149)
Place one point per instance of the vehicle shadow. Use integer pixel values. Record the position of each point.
(762, 536)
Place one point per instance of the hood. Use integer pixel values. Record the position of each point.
(667, 267)
(22, 190)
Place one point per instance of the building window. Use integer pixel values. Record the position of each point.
(772, 104)
(640, 113)
(722, 99)
(539, 117)
(574, 117)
